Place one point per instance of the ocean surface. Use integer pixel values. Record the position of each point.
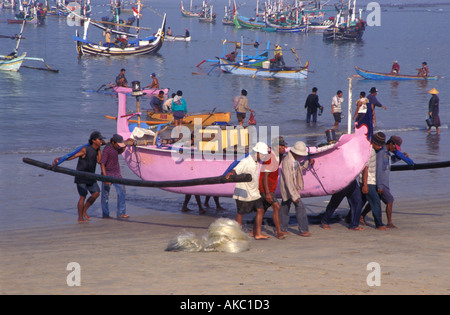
(45, 114)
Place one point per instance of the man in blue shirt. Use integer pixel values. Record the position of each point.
(373, 101)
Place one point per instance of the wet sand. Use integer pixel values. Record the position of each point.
(39, 237)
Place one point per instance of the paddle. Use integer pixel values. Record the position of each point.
(142, 183)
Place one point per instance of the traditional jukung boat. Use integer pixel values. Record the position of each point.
(335, 166)
(350, 30)
(207, 119)
(371, 75)
(297, 73)
(190, 13)
(13, 61)
(137, 46)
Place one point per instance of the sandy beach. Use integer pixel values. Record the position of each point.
(39, 237)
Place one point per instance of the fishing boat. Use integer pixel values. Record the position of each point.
(296, 73)
(189, 13)
(127, 47)
(371, 75)
(13, 61)
(207, 15)
(257, 59)
(228, 18)
(153, 118)
(349, 29)
(245, 22)
(177, 38)
(335, 166)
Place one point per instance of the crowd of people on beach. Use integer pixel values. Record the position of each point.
(364, 194)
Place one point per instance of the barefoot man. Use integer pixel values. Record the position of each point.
(88, 158)
(247, 196)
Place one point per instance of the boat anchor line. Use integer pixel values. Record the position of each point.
(142, 183)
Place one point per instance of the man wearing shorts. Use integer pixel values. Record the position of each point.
(88, 158)
(336, 108)
(268, 181)
(247, 196)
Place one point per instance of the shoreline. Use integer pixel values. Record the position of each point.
(40, 237)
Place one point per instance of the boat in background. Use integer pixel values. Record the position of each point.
(371, 75)
(137, 46)
(177, 38)
(265, 71)
(350, 28)
(190, 13)
(13, 62)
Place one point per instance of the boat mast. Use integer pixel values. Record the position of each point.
(137, 22)
(21, 31)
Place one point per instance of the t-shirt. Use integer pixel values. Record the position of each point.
(241, 102)
(270, 166)
(247, 191)
(336, 104)
(110, 157)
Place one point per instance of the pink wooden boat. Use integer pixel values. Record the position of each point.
(335, 165)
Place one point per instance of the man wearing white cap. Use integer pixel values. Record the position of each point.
(290, 185)
(247, 195)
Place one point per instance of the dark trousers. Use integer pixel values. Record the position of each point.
(353, 194)
(310, 115)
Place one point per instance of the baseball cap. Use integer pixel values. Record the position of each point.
(96, 135)
(118, 139)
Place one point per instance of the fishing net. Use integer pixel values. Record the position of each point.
(224, 235)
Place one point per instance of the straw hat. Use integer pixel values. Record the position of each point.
(300, 148)
(433, 91)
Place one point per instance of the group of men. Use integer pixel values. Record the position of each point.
(122, 81)
(259, 194)
(313, 107)
(88, 158)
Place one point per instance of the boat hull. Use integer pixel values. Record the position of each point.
(177, 38)
(206, 118)
(335, 166)
(11, 64)
(371, 75)
(249, 70)
(141, 47)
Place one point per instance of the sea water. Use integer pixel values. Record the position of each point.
(45, 114)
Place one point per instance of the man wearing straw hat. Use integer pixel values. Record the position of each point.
(291, 183)
(433, 110)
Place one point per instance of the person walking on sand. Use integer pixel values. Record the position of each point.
(433, 110)
(268, 180)
(247, 195)
(110, 167)
(240, 105)
(336, 108)
(368, 182)
(291, 183)
(187, 198)
(88, 158)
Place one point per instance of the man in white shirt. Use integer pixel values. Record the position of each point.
(336, 108)
(246, 194)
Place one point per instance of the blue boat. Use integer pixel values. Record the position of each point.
(371, 75)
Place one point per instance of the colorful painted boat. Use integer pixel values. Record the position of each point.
(11, 63)
(138, 46)
(371, 75)
(335, 165)
(207, 119)
(245, 22)
(296, 73)
(190, 13)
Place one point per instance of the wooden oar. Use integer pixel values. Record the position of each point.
(142, 183)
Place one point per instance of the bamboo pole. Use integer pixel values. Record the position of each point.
(349, 118)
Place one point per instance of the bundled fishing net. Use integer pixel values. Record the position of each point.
(224, 235)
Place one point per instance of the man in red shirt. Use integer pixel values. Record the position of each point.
(110, 167)
(268, 181)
